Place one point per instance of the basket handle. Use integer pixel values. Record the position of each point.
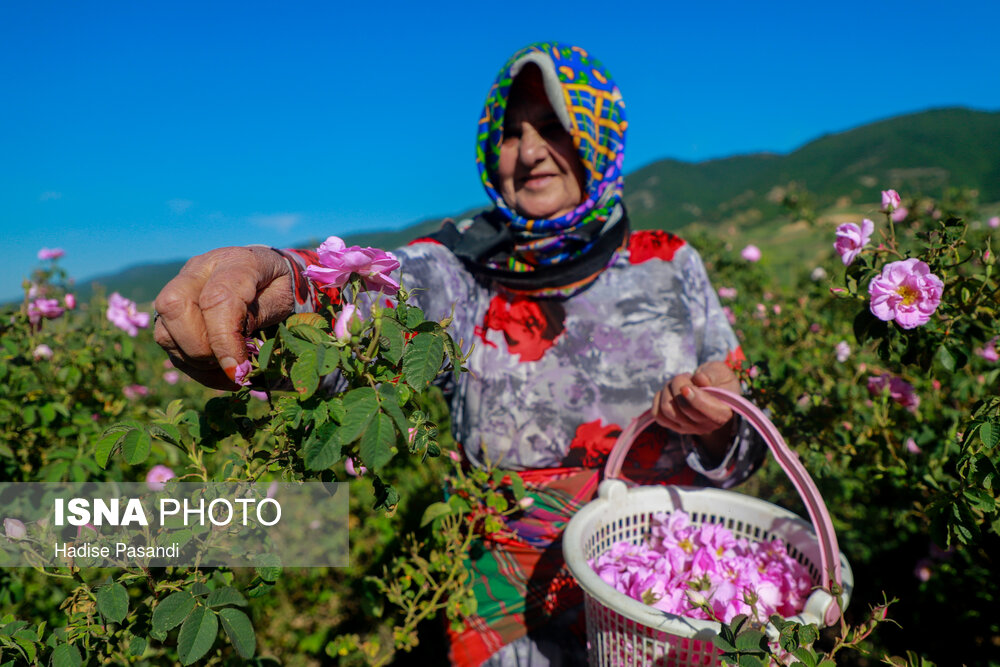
(787, 459)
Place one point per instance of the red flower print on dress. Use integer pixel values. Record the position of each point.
(647, 244)
(591, 444)
(530, 327)
(735, 358)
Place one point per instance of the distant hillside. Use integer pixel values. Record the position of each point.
(921, 153)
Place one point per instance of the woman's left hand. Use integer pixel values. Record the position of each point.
(682, 408)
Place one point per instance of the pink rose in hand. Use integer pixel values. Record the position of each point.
(51, 253)
(156, 478)
(338, 262)
(890, 200)
(123, 314)
(851, 239)
(907, 292)
(47, 308)
(242, 371)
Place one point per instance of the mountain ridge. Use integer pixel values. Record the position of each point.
(920, 153)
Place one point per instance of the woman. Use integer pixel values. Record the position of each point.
(579, 326)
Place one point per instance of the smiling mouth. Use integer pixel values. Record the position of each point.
(536, 181)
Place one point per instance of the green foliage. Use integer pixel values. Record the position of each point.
(912, 491)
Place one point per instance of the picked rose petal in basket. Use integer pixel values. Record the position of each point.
(683, 566)
(648, 559)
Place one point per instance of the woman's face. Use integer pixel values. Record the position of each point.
(540, 173)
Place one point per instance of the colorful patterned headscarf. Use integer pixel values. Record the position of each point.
(590, 107)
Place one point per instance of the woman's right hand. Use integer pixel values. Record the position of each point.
(215, 301)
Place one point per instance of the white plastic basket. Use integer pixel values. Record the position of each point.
(627, 633)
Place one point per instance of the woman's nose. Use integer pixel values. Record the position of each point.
(533, 147)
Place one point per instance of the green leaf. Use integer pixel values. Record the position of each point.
(808, 634)
(322, 448)
(422, 360)
(377, 442)
(806, 655)
(112, 602)
(751, 661)
(391, 340)
(264, 356)
(945, 358)
(29, 647)
(166, 432)
(360, 408)
(390, 405)
(305, 373)
(518, 485)
(722, 644)
(121, 427)
(66, 655)
(137, 646)
(434, 511)
(171, 611)
(240, 631)
(309, 333)
(751, 640)
(135, 446)
(268, 567)
(197, 635)
(220, 597)
(104, 447)
(989, 433)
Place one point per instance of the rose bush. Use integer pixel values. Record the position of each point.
(909, 474)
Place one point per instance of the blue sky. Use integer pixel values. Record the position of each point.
(144, 131)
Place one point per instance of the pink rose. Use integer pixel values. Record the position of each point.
(989, 351)
(900, 391)
(43, 351)
(843, 351)
(259, 395)
(911, 446)
(242, 371)
(47, 308)
(14, 529)
(358, 471)
(900, 214)
(907, 292)
(727, 292)
(123, 314)
(338, 262)
(751, 253)
(890, 200)
(171, 377)
(340, 327)
(994, 222)
(70, 301)
(851, 239)
(51, 253)
(156, 478)
(134, 391)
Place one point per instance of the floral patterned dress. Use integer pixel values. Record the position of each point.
(552, 385)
